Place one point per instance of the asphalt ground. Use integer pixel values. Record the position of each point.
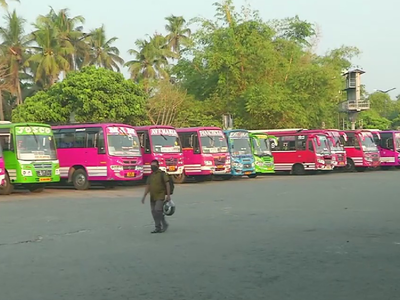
(333, 236)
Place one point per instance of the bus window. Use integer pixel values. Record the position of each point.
(310, 146)
(100, 143)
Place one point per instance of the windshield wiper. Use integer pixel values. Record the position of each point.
(34, 135)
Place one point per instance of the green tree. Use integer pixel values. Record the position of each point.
(372, 120)
(91, 95)
(4, 3)
(178, 34)
(13, 48)
(103, 53)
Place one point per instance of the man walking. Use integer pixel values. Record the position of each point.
(158, 186)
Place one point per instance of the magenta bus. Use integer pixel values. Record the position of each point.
(105, 153)
(388, 143)
(205, 153)
(162, 143)
(362, 152)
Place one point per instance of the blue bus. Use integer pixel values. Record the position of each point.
(242, 159)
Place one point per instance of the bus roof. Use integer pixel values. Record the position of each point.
(153, 126)
(190, 129)
(233, 130)
(89, 125)
(9, 125)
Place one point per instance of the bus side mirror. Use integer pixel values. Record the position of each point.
(101, 150)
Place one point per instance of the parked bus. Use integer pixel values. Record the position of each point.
(261, 148)
(161, 143)
(388, 143)
(300, 151)
(205, 153)
(30, 156)
(242, 159)
(362, 152)
(102, 153)
(335, 140)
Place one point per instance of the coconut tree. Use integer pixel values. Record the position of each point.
(151, 59)
(70, 35)
(178, 34)
(13, 48)
(48, 59)
(102, 52)
(4, 3)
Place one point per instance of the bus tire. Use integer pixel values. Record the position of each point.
(350, 166)
(80, 180)
(298, 169)
(179, 178)
(8, 188)
(36, 188)
(252, 175)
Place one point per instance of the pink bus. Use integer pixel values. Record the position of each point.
(205, 153)
(388, 143)
(102, 152)
(362, 152)
(161, 143)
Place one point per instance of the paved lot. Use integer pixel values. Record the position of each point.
(333, 236)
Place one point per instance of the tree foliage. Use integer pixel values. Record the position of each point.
(91, 95)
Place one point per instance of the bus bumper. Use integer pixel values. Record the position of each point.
(3, 180)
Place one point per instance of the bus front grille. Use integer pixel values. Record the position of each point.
(171, 161)
(129, 167)
(43, 166)
(219, 161)
(130, 162)
(43, 173)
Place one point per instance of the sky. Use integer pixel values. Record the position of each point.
(365, 24)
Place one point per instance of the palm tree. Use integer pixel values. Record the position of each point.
(103, 54)
(48, 57)
(151, 59)
(178, 34)
(13, 47)
(4, 4)
(70, 35)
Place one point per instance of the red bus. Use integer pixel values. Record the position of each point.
(300, 152)
(362, 151)
(336, 140)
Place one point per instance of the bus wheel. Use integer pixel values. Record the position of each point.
(298, 169)
(8, 188)
(252, 175)
(80, 180)
(180, 178)
(350, 167)
(36, 188)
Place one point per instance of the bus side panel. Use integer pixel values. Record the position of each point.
(356, 155)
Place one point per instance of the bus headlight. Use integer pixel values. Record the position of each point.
(26, 173)
(252, 165)
(321, 161)
(208, 163)
(139, 168)
(117, 168)
(57, 171)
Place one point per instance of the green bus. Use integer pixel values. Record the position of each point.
(30, 156)
(261, 147)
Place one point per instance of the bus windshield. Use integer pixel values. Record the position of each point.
(240, 146)
(397, 141)
(165, 141)
(35, 147)
(323, 147)
(213, 142)
(122, 141)
(261, 146)
(368, 143)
